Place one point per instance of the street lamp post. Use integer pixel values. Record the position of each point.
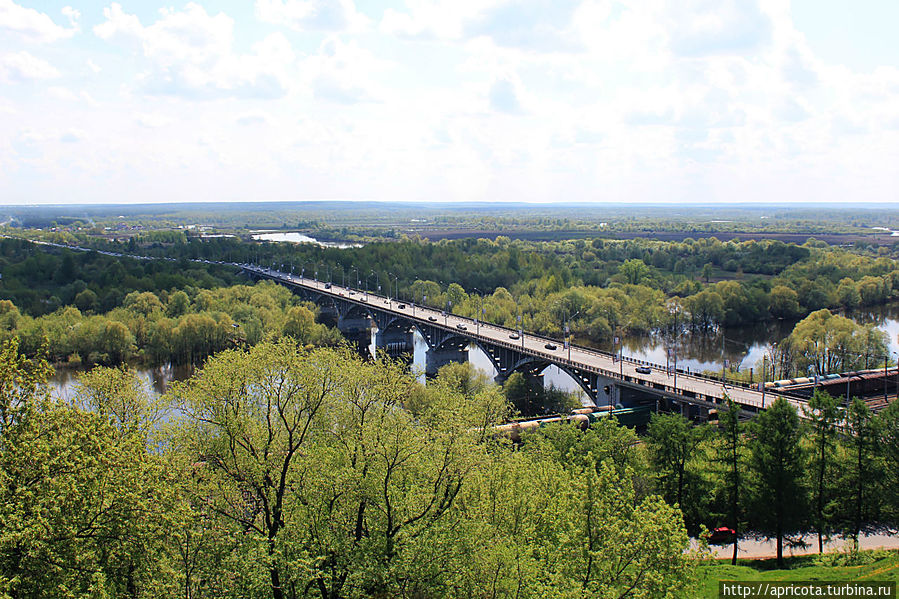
(897, 374)
(477, 320)
(617, 341)
(358, 282)
(674, 309)
(367, 279)
(886, 379)
(396, 281)
(520, 331)
(773, 361)
(568, 332)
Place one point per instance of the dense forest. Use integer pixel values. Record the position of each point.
(281, 471)
(600, 288)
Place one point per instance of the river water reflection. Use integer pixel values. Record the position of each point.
(743, 347)
(156, 380)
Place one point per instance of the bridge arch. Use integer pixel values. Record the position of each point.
(538, 365)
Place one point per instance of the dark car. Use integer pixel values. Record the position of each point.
(402, 306)
(513, 336)
(551, 346)
(327, 285)
(432, 318)
(643, 369)
(461, 327)
(722, 534)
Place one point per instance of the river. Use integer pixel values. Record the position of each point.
(157, 380)
(294, 237)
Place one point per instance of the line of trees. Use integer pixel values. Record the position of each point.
(599, 287)
(832, 473)
(40, 280)
(179, 327)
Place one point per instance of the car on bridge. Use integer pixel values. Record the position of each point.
(432, 318)
(643, 369)
(402, 306)
(327, 285)
(513, 336)
(551, 346)
(461, 327)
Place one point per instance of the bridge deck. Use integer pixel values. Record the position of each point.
(689, 386)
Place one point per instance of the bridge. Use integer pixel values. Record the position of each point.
(603, 377)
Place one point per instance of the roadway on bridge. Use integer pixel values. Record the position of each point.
(580, 357)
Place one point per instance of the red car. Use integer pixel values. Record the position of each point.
(722, 534)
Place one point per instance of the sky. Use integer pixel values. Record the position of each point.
(650, 101)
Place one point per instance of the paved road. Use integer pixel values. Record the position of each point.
(753, 549)
(578, 356)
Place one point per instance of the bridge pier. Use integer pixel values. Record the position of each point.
(436, 357)
(394, 341)
(354, 325)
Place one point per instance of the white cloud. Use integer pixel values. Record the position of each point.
(439, 19)
(504, 97)
(35, 26)
(189, 54)
(312, 15)
(72, 136)
(22, 66)
(344, 72)
(152, 120)
(708, 27)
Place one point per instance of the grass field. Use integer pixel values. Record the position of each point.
(866, 565)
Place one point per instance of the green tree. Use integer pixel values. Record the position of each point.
(822, 415)
(847, 293)
(783, 302)
(255, 413)
(779, 497)
(178, 304)
(85, 509)
(732, 457)
(595, 535)
(887, 428)
(673, 444)
(299, 324)
(633, 271)
(86, 301)
(859, 501)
